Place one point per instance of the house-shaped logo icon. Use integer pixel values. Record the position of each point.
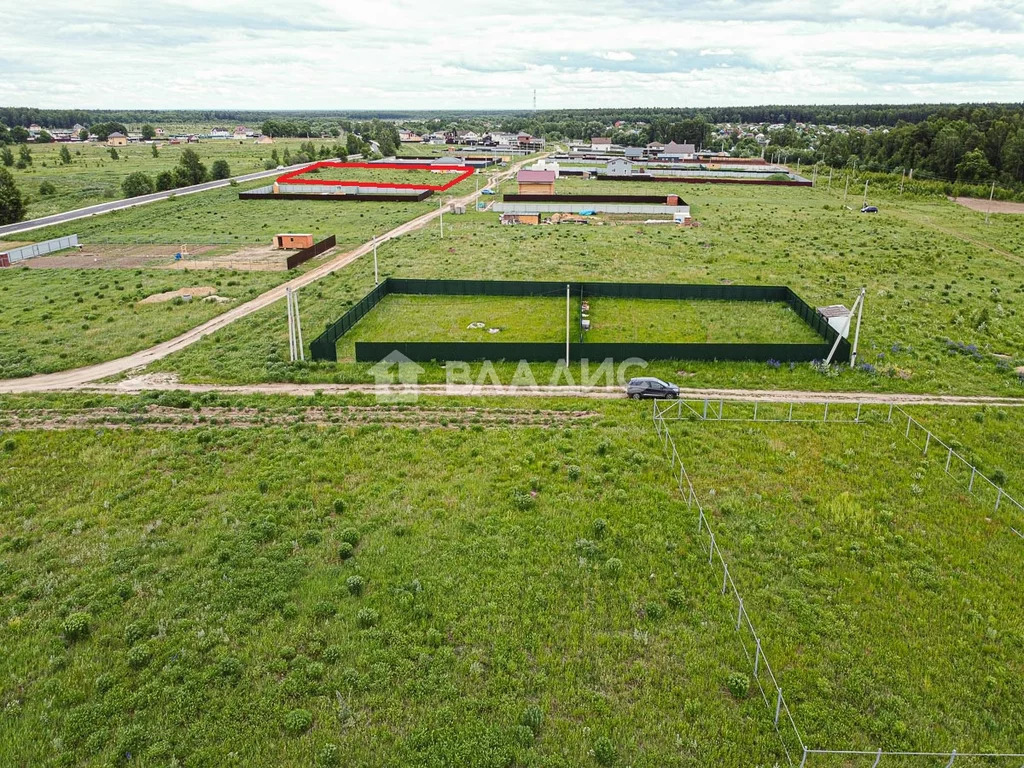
(395, 378)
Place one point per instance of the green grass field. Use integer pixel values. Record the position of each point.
(55, 319)
(382, 175)
(884, 593)
(447, 318)
(934, 274)
(518, 583)
(94, 177)
(696, 322)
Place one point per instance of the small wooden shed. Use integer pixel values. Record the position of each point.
(292, 241)
(536, 182)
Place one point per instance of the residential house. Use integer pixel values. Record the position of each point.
(620, 166)
(634, 153)
(117, 139)
(677, 151)
(219, 133)
(600, 143)
(241, 132)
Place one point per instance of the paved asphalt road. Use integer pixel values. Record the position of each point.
(116, 205)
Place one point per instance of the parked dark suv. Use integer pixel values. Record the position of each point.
(648, 386)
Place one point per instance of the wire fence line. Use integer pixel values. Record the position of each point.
(958, 467)
(771, 691)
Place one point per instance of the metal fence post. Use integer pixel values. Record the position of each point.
(878, 759)
(999, 496)
(725, 576)
(705, 409)
(970, 486)
(890, 414)
(739, 615)
(778, 708)
(803, 760)
(952, 757)
(927, 441)
(908, 428)
(711, 552)
(700, 521)
(857, 419)
(826, 411)
(949, 457)
(790, 412)
(757, 663)
(755, 410)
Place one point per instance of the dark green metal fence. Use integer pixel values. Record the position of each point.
(324, 347)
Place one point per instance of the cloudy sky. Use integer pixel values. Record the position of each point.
(490, 54)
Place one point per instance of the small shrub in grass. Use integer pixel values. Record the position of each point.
(676, 598)
(332, 653)
(586, 548)
(605, 752)
(323, 610)
(654, 611)
(8, 445)
(367, 617)
(298, 721)
(350, 535)
(738, 685)
(288, 652)
(999, 476)
(309, 538)
(139, 655)
(600, 527)
(229, 667)
(612, 567)
(346, 550)
(355, 585)
(76, 627)
(522, 500)
(574, 472)
(532, 718)
(135, 631)
(339, 506)
(434, 637)
(329, 756)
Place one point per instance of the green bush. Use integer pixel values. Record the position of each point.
(738, 685)
(76, 626)
(612, 567)
(605, 752)
(676, 598)
(139, 655)
(350, 535)
(367, 617)
(323, 610)
(298, 721)
(46, 189)
(355, 585)
(339, 506)
(345, 550)
(532, 718)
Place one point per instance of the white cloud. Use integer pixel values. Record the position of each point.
(402, 54)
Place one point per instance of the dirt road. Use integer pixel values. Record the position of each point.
(77, 377)
(169, 383)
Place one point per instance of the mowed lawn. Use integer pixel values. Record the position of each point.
(447, 318)
(696, 322)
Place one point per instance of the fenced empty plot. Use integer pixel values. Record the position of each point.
(255, 258)
(888, 621)
(710, 322)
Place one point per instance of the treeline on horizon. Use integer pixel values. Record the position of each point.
(828, 114)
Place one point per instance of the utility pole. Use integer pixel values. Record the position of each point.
(865, 195)
(856, 334)
(440, 208)
(375, 280)
(830, 178)
(902, 177)
(847, 190)
(814, 177)
(990, 195)
(295, 346)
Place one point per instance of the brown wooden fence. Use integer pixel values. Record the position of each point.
(312, 252)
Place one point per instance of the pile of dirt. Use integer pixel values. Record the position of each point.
(196, 291)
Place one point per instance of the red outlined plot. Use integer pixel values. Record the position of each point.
(292, 176)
